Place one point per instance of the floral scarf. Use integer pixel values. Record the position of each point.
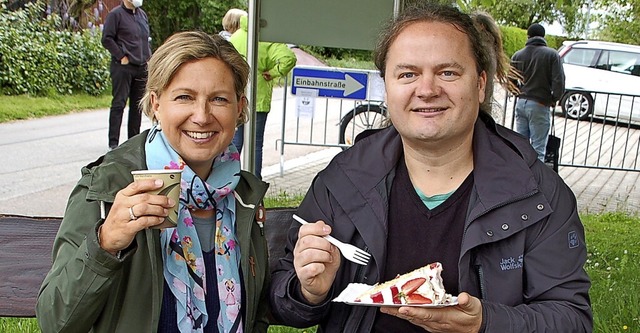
(184, 268)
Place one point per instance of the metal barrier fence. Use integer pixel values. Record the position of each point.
(599, 130)
(311, 119)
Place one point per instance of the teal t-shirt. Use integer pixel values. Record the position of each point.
(433, 201)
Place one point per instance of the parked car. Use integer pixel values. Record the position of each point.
(602, 79)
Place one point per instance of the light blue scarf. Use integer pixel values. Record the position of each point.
(184, 268)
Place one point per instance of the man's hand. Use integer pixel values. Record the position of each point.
(267, 76)
(124, 60)
(466, 317)
(316, 261)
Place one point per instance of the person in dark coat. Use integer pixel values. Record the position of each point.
(126, 35)
(444, 183)
(541, 87)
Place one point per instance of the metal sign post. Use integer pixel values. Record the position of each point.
(248, 154)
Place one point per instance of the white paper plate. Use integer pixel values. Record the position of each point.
(353, 290)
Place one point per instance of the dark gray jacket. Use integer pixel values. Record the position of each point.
(542, 70)
(523, 248)
(126, 33)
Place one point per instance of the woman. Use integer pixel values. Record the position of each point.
(231, 22)
(112, 270)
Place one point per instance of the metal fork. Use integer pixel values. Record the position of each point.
(348, 251)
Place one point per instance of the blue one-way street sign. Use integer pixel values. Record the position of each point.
(331, 82)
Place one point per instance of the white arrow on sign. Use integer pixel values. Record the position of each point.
(349, 84)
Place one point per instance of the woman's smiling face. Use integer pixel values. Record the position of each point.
(198, 112)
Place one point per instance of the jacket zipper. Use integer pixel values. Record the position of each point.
(480, 275)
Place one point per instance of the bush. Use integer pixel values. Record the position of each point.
(40, 58)
(338, 53)
(513, 39)
(167, 17)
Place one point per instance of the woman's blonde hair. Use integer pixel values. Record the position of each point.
(184, 47)
(231, 20)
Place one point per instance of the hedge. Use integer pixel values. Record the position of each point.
(38, 57)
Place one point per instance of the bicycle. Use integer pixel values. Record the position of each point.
(368, 115)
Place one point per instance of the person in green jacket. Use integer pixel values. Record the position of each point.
(114, 269)
(275, 60)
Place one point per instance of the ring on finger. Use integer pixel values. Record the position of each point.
(132, 216)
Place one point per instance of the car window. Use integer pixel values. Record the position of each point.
(580, 57)
(619, 62)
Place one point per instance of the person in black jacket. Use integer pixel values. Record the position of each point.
(542, 87)
(444, 183)
(126, 35)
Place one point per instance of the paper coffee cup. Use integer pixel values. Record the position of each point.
(171, 188)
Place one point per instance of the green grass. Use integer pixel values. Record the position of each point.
(285, 329)
(283, 199)
(19, 325)
(27, 107)
(613, 242)
(349, 63)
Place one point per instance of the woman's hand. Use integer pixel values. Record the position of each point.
(133, 210)
(464, 317)
(316, 261)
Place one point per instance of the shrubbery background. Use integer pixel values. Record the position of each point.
(39, 57)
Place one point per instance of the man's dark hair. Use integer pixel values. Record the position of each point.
(433, 12)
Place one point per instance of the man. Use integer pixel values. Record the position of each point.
(443, 183)
(126, 36)
(541, 88)
(275, 60)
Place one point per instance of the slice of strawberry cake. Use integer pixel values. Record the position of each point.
(421, 286)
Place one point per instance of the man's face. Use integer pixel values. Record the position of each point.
(432, 85)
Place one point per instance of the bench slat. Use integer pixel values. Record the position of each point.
(25, 255)
(25, 259)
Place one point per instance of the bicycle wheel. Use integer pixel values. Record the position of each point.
(363, 117)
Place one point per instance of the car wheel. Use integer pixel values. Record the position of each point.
(577, 105)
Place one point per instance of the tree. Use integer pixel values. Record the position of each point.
(523, 13)
(170, 16)
(618, 22)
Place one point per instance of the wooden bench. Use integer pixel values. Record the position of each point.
(25, 255)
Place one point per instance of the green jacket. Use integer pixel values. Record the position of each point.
(90, 290)
(276, 58)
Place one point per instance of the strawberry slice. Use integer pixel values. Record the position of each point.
(377, 298)
(412, 285)
(395, 295)
(416, 298)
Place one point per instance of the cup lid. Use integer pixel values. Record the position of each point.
(146, 172)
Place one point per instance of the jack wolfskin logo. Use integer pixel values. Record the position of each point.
(507, 264)
(573, 239)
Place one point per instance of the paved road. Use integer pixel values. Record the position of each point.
(43, 157)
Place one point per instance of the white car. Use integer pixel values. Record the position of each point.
(602, 79)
